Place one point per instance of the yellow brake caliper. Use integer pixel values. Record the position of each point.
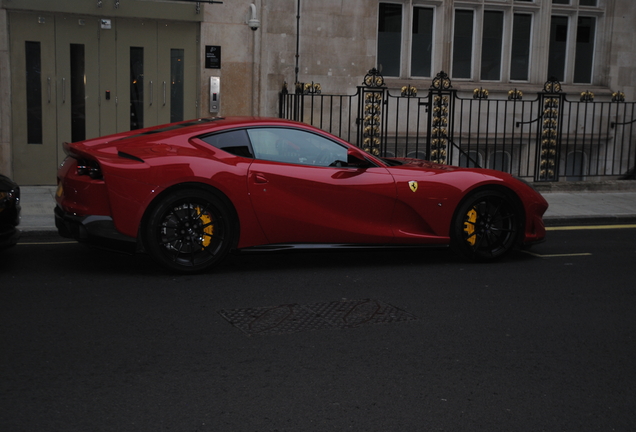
(469, 226)
(205, 220)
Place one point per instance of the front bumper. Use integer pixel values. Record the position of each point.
(96, 230)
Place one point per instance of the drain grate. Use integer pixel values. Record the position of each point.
(293, 318)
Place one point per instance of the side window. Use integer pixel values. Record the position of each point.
(296, 147)
(234, 142)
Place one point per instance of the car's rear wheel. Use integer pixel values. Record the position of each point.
(486, 225)
(189, 231)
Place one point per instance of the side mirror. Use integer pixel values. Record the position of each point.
(354, 160)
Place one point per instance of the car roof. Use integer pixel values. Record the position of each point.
(205, 126)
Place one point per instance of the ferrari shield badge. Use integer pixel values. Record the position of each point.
(413, 185)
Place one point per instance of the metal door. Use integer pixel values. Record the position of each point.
(177, 63)
(34, 95)
(75, 78)
(136, 74)
(156, 73)
(78, 80)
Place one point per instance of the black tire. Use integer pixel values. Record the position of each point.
(189, 231)
(486, 225)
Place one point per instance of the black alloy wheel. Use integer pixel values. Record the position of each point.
(486, 225)
(189, 231)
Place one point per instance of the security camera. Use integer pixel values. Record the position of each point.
(253, 22)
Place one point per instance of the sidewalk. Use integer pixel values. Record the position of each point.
(576, 203)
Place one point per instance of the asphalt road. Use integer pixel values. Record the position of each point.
(405, 340)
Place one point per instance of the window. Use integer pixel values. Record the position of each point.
(500, 161)
(234, 142)
(296, 147)
(34, 92)
(491, 45)
(422, 42)
(520, 49)
(463, 44)
(558, 47)
(177, 74)
(406, 40)
(575, 166)
(136, 88)
(584, 56)
(491, 40)
(505, 48)
(573, 28)
(390, 39)
(471, 159)
(78, 93)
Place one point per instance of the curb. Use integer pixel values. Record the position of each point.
(586, 186)
(559, 221)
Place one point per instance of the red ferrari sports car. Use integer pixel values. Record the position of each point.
(188, 193)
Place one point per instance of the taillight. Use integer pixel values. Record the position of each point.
(89, 167)
(7, 197)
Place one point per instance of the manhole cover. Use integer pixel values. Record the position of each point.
(292, 318)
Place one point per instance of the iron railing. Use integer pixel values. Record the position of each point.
(549, 137)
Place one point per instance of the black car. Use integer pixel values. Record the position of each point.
(9, 212)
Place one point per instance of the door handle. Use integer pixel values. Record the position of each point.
(164, 93)
(63, 90)
(260, 178)
(151, 93)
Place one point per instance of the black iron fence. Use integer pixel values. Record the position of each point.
(549, 137)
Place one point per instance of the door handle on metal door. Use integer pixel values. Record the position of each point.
(260, 178)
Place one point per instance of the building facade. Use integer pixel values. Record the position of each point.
(79, 69)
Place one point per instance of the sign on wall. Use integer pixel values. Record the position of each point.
(212, 57)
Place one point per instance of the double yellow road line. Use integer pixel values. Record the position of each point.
(577, 228)
(589, 227)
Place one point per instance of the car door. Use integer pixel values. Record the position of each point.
(303, 191)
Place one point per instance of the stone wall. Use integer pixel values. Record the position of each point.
(336, 48)
(622, 63)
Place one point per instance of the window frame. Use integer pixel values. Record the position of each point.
(258, 155)
(509, 9)
(406, 46)
(540, 13)
(410, 41)
(573, 12)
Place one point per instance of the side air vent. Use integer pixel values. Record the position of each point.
(129, 156)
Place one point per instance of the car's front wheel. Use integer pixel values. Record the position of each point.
(188, 231)
(486, 225)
